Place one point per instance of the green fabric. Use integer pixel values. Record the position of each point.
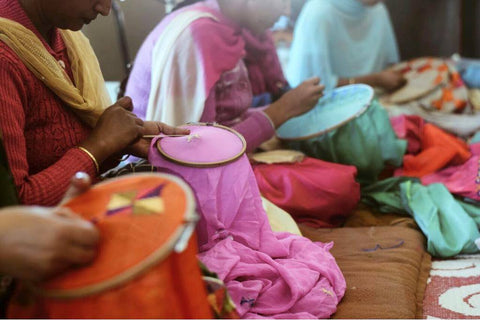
(8, 195)
(385, 195)
(450, 225)
(472, 210)
(475, 138)
(367, 142)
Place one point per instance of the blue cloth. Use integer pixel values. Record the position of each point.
(262, 100)
(340, 39)
(471, 76)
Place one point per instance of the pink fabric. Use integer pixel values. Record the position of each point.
(264, 68)
(409, 128)
(313, 191)
(462, 180)
(271, 275)
(204, 144)
(475, 149)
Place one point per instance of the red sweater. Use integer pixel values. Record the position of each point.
(40, 131)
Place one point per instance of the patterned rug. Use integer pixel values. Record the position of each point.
(453, 289)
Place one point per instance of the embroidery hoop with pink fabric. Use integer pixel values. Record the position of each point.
(207, 145)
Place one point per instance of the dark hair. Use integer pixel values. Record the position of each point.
(185, 3)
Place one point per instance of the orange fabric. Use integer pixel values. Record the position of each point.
(171, 290)
(439, 149)
(131, 231)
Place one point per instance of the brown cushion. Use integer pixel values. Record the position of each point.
(366, 217)
(386, 269)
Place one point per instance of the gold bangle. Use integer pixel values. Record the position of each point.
(351, 81)
(91, 157)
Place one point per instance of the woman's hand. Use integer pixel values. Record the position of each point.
(140, 148)
(390, 80)
(117, 128)
(37, 242)
(80, 183)
(295, 102)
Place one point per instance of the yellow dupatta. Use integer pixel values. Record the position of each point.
(88, 97)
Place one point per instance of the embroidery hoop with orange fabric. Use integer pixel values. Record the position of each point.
(434, 82)
(146, 222)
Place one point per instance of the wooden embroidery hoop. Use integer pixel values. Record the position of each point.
(176, 242)
(419, 84)
(206, 164)
(360, 112)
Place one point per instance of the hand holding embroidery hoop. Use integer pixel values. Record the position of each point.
(147, 253)
(347, 126)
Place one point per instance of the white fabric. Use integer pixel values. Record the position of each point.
(340, 39)
(177, 88)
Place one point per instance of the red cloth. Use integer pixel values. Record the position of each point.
(40, 132)
(315, 192)
(438, 149)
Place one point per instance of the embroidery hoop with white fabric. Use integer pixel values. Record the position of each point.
(348, 126)
(333, 110)
(207, 145)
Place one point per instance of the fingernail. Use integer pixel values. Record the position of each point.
(81, 175)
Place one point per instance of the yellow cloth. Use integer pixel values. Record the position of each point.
(88, 97)
(279, 219)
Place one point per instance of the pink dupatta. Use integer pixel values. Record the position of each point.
(268, 274)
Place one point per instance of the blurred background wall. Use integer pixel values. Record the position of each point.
(423, 28)
(141, 16)
(432, 27)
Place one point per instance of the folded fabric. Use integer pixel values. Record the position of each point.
(450, 225)
(385, 195)
(279, 219)
(471, 76)
(450, 230)
(463, 125)
(462, 180)
(409, 128)
(278, 156)
(475, 139)
(438, 149)
(313, 191)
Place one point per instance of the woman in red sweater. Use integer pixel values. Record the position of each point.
(53, 111)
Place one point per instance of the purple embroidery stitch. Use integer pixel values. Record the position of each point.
(378, 246)
(251, 302)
